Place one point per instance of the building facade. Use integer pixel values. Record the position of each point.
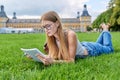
(77, 24)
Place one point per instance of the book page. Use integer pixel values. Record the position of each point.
(33, 52)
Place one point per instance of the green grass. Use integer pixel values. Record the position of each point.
(15, 66)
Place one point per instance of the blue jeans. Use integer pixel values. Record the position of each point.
(102, 45)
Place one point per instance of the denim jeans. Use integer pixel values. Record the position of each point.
(102, 45)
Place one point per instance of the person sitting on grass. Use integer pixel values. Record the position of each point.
(63, 46)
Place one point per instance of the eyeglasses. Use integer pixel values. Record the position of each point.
(48, 26)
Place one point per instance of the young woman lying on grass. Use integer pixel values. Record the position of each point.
(63, 46)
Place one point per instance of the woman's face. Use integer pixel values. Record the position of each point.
(50, 27)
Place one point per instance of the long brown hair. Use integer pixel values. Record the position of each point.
(54, 51)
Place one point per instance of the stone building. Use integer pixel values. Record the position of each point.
(77, 24)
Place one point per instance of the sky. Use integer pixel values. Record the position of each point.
(65, 8)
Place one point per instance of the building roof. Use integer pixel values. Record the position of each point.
(85, 11)
(14, 15)
(63, 20)
(2, 12)
(70, 20)
(23, 21)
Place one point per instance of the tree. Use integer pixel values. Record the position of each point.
(115, 17)
(89, 28)
(112, 15)
(111, 3)
(103, 17)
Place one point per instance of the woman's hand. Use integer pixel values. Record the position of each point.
(46, 60)
(28, 56)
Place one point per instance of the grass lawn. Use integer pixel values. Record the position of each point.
(15, 66)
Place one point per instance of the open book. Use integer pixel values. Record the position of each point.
(32, 53)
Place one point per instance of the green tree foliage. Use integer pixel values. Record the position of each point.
(111, 3)
(89, 28)
(115, 17)
(103, 17)
(112, 15)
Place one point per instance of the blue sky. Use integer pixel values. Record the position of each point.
(65, 8)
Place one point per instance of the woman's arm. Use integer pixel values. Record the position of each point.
(72, 44)
(63, 61)
(48, 60)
